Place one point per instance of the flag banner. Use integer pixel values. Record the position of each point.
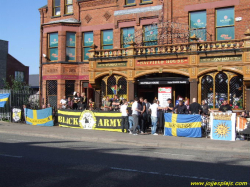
(3, 99)
(243, 125)
(182, 125)
(16, 114)
(95, 120)
(41, 117)
(222, 126)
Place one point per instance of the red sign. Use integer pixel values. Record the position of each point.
(66, 77)
(161, 62)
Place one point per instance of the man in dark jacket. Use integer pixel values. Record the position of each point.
(195, 108)
(181, 108)
(225, 107)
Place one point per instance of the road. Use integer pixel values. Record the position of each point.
(28, 161)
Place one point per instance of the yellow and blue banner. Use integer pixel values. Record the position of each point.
(3, 99)
(41, 117)
(182, 125)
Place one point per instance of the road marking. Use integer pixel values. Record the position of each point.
(173, 154)
(13, 156)
(167, 174)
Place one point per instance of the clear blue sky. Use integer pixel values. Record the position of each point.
(20, 25)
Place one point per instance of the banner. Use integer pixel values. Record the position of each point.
(16, 114)
(3, 99)
(182, 125)
(222, 126)
(96, 120)
(41, 117)
(164, 93)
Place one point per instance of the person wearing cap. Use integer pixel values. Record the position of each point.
(170, 106)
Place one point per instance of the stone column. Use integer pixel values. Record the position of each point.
(131, 90)
(193, 89)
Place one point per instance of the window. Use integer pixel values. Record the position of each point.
(197, 24)
(129, 2)
(19, 76)
(70, 46)
(150, 35)
(69, 88)
(107, 39)
(146, 1)
(127, 35)
(217, 87)
(68, 6)
(225, 24)
(53, 46)
(56, 8)
(51, 92)
(87, 42)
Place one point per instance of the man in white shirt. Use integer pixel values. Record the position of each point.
(124, 112)
(63, 102)
(154, 107)
(135, 114)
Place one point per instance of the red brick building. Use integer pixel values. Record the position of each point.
(198, 48)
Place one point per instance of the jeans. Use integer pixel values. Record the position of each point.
(124, 123)
(131, 121)
(154, 124)
(136, 122)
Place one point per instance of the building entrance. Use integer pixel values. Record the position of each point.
(177, 85)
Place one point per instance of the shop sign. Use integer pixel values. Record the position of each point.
(164, 93)
(111, 64)
(162, 82)
(161, 62)
(221, 59)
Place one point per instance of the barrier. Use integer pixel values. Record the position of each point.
(243, 125)
(41, 117)
(96, 120)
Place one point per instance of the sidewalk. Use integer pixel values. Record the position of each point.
(124, 138)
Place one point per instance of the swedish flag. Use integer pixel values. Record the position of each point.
(3, 99)
(182, 125)
(41, 117)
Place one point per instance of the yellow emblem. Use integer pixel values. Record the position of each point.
(222, 130)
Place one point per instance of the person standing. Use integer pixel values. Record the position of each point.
(170, 107)
(63, 102)
(116, 103)
(147, 113)
(83, 102)
(204, 107)
(69, 103)
(106, 104)
(143, 116)
(225, 107)
(76, 101)
(154, 107)
(130, 117)
(195, 108)
(135, 114)
(124, 112)
(181, 108)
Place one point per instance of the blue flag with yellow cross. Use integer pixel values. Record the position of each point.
(3, 99)
(182, 125)
(41, 117)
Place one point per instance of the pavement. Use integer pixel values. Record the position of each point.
(145, 140)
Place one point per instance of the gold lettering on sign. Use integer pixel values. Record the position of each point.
(221, 59)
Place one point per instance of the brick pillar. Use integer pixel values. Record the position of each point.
(62, 46)
(60, 91)
(97, 99)
(131, 90)
(193, 89)
(78, 47)
(44, 90)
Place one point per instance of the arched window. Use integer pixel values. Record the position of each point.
(219, 86)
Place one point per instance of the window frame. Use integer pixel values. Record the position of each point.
(225, 26)
(126, 3)
(146, 1)
(122, 41)
(200, 28)
(70, 47)
(103, 45)
(54, 7)
(143, 39)
(84, 46)
(19, 76)
(49, 48)
(65, 7)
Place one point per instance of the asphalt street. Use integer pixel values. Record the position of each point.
(29, 161)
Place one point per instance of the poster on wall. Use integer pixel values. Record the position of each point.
(164, 93)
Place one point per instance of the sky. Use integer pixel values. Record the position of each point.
(20, 25)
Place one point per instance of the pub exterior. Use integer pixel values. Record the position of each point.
(199, 49)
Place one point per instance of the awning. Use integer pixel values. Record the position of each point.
(3, 99)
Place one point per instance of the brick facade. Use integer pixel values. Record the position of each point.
(98, 15)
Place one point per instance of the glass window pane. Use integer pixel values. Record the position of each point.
(200, 33)
(108, 47)
(86, 53)
(130, 1)
(88, 38)
(128, 35)
(107, 37)
(236, 92)
(53, 54)
(57, 11)
(198, 19)
(69, 2)
(70, 53)
(221, 89)
(207, 90)
(150, 33)
(69, 9)
(71, 39)
(53, 40)
(57, 2)
(225, 33)
(225, 17)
